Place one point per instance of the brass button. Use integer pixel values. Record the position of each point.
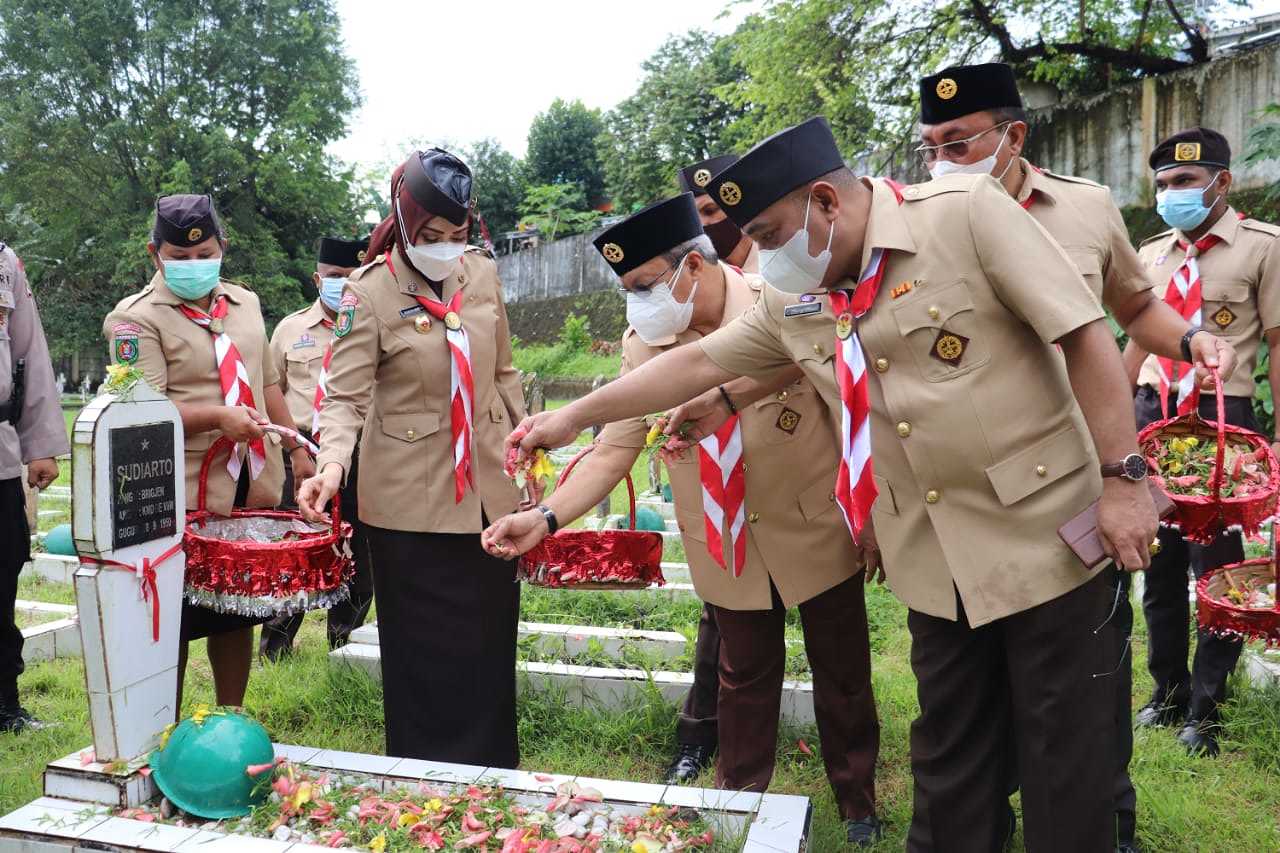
(932, 496)
(753, 517)
(409, 434)
(462, 279)
(934, 313)
(817, 348)
(782, 396)
(1041, 471)
(904, 429)
(882, 364)
(832, 497)
(744, 467)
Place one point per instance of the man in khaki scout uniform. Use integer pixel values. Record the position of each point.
(1237, 261)
(980, 127)
(299, 346)
(663, 259)
(985, 440)
(32, 433)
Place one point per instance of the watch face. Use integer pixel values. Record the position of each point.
(1135, 467)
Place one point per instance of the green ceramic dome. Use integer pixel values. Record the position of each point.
(201, 766)
(58, 541)
(647, 518)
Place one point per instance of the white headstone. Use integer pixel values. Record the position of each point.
(129, 508)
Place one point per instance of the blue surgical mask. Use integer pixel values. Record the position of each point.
(194, 279)
(1184, 209)
(331, 291)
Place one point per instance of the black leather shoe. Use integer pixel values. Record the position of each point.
(1159, 714)
(1199, 738)
(18, 720)
(864, 832)
(1128, 847)
(690, 760)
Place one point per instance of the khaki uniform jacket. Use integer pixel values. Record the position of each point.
(41, 431)
(979, 458)
(177, 359)
(1239, 285)
(752, 263)
(390, 376)
(298, 345)
(796, 537)
(1084, 219)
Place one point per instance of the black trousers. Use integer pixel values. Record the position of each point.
(348, 614)
(447, 619)
(1025, 688)
(697, 723)
(1166, 601)
(15, 549)
(1119, 630)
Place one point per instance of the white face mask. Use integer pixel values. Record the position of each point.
(656, 315)
(942, 168)
(436, 260)
(791, 268)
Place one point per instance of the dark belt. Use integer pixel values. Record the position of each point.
(6, 409)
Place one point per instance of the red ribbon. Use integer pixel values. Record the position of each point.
(146, 577)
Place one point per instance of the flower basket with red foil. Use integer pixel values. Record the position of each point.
(261, 562)
(1239, 492)
(1239, 601)
(595, 559)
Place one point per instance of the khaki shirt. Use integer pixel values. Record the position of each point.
(390, 376)
(1084, 219)
(177, 359)
(1239, 285)
(298, 345)
(752, 263)
(41, 432)
(978, 460)
(788, 437)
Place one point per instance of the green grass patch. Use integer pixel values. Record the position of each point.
(557, 361)
(32, 587)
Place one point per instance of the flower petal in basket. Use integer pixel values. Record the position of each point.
(1220, 615)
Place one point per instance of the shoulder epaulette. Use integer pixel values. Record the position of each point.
(1072, 179)
(360, 271)
(949, 184)
(1154, 237)
(482, 251)
(1264, 227)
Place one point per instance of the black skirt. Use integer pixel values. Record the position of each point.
(447, 622)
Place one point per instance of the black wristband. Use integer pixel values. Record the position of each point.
(549, 515)
(733, 410)
(1185, 344)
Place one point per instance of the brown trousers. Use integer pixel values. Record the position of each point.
(752, 655)
(1033, 688)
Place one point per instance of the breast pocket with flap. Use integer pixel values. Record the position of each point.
(941, 330)
(1226, 306)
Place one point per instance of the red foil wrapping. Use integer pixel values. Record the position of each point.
(1228, 619)
(585, 559)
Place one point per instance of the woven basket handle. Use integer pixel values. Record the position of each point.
(1216, 485)
(631, 487)
(223, 443)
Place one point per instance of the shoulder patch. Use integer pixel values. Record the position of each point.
(124, 342)
(1265, 227)
(346, 315)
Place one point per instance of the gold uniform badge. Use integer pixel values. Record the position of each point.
(215, 325)
(452, 321)
(1225, 317)
(612, 253)
(1186, 152)
(788, 421)
(844, 326)
(947, 88)
(702, 177)
(194, 235)
(730, 193)
(361, 255)
(949, 347)
(422, 324)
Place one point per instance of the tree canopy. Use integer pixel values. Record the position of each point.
(562, 148)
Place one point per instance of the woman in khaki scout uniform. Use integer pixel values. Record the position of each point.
(413, 324)
(169, 330)
(1238, 263)
(676, 294)
(985, 441)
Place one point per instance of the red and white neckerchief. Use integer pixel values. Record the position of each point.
(462, 389)
(1031, 196)
(320, 381)
(724, 492)
(233, 377)
(1184, 295)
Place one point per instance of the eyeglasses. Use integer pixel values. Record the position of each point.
(956, 150)
(642, 289)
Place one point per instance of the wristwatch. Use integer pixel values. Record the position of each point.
(547, 513)
(1133, 468)
(1185, 343)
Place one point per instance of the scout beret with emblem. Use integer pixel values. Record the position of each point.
(342, 253)
(643, 236)
(694, 179)
(1196, 146)
(185, 220)
(790, 158)
(965, 89)
(440, 183)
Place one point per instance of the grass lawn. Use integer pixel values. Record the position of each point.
(552, 361)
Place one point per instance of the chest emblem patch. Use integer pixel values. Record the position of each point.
(844, 326)
(1224, 317)
(422, 324)
(949, 347)
(126, 350)
(788, 421)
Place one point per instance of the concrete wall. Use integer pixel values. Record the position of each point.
(563, 268)
(1107, 137)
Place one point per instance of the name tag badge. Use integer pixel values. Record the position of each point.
(409, 312)
(802, 309)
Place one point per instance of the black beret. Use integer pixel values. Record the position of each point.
(966, 89)
(440, 183)
(185, 220)
(643, 236)
(1196, 146)
(790, 158)
(694, 178)
(342, 253)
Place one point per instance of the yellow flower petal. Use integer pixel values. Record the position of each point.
(434, 804)
(408, 819)
(1192, 441)
(302, 795)
(379, 844)
(654, 432)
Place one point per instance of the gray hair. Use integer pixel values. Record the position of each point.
(700, 244)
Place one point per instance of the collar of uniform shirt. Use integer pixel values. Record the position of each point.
(1226, 228)
(165, 296)
(886, 226)
(1033, 182)
(315, 315)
